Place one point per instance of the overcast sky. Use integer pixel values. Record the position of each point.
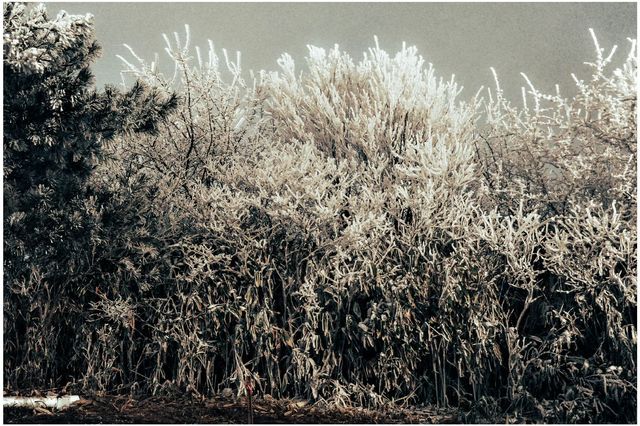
(547, 41)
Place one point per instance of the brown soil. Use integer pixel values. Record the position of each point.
(120, 409)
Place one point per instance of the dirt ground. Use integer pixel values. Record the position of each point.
(122, 409)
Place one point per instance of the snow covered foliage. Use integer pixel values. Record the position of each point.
(215, 116)
(363, 236)
(570, 166)
(556, 152)
(358, 234)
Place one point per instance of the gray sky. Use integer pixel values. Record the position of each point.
(547, 41)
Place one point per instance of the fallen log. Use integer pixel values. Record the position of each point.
(35, 401)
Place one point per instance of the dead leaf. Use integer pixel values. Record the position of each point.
(41, 410)
(84, 402)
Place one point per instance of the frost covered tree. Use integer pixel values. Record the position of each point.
(55, 123)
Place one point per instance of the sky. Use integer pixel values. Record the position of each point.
(547, 41)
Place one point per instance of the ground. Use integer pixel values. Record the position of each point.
(122, 409)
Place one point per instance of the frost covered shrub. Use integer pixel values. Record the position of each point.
(555, 152)
(301, 251)
(573, 164)
(358, 238)
(384, 282)
(214, 121)
(373, 110)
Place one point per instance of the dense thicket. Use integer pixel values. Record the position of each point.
(358, 235)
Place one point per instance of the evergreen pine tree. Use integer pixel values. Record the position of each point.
(55, 123)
